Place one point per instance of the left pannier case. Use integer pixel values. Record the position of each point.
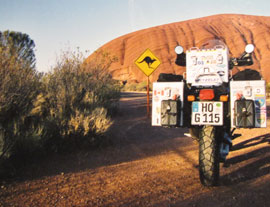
(167, 104)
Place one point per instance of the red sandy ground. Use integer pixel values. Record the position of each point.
(145, 166)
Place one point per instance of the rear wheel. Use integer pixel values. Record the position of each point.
(208, 156)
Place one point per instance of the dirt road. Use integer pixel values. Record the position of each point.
(145, 166)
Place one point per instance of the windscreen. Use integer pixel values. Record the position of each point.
(207, 64)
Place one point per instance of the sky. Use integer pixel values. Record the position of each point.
(61, 25)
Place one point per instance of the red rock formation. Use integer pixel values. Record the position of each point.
(235, 30)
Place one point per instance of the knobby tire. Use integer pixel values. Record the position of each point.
(208, 156)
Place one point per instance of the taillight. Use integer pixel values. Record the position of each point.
(191, 98)
(207, 94)
(223, 98)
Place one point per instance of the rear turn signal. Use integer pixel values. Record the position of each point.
(191, 98)
(223, 98)
(207, 94)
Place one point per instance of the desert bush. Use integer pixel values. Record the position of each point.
(75, 99)
(268, 89)
(105, 90)
(129, 87)
(64, 109)
(142, 86)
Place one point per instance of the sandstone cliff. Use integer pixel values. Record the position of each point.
(235, 30)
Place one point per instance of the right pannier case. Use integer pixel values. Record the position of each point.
(248, 104)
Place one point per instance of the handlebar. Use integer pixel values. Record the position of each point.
(181, 59)
(244, 60)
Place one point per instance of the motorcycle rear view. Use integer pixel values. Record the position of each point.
(210, 102)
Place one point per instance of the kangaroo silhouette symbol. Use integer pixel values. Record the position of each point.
(148, 60)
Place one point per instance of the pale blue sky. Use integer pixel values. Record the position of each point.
(57, 25)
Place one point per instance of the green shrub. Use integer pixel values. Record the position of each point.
(142, 86)
(65, 109)
(129, 87)
(268, 89)
(75, 99)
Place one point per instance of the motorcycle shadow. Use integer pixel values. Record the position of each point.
(248, 166)
(252, 142)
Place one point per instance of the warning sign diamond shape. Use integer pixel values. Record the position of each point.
(147, 62)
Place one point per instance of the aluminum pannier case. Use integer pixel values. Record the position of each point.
(167, 104)
(243, 96)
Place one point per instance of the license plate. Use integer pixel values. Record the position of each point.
(207, 113)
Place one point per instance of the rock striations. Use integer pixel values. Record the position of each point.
(235, 30)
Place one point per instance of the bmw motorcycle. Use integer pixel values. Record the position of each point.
(208, 101)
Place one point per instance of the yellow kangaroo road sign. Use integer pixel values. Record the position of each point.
(147, 62)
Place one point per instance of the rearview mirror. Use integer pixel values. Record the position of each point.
(249, 48)
(179, 49)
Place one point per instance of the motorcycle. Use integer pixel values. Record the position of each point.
(208, 101)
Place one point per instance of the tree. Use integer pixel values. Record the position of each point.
(19, 83)
(16, 46)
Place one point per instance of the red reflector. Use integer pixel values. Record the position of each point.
(207, 94)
